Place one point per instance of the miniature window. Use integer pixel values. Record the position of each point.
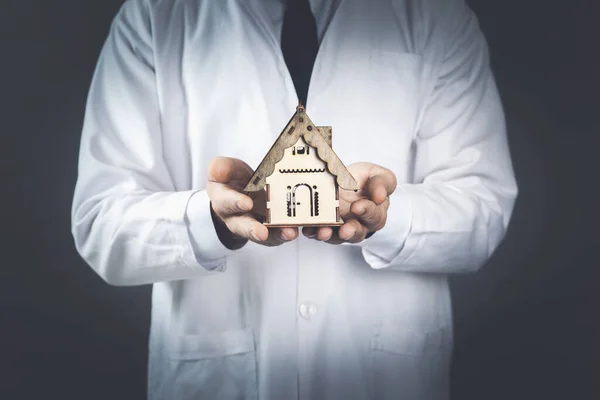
(300, 150)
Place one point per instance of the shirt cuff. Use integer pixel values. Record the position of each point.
(208, 250)
(388, 245)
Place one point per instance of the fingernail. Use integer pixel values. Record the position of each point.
(360, 211)
(254, 236)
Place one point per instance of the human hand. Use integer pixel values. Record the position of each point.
(364, 211)
(235, 215)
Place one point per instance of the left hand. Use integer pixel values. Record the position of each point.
(363, 211)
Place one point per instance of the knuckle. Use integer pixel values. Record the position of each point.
(232, 207)
(217, 207)
(371, 218)
(381, 223)
(226, 208)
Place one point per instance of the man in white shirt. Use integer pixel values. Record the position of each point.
(189, 94)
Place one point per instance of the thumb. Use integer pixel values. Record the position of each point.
(227, 169)
(381, 184)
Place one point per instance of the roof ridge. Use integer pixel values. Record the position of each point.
(300, 125)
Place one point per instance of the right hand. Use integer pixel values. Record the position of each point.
(234, 213)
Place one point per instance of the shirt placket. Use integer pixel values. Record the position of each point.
(309, 311)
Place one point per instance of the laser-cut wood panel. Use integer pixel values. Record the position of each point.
(301, 189)
(302, 175)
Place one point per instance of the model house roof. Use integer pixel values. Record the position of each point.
(318, 137)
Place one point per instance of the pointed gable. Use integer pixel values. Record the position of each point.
(319, 137)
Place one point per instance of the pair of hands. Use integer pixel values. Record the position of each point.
(236, 215)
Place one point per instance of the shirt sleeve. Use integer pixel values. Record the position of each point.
(455, 212)
(128, 221)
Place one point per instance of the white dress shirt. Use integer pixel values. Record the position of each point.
(406, 85)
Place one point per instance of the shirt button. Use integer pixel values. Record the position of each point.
(307, 310)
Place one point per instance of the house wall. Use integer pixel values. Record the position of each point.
(279, 182)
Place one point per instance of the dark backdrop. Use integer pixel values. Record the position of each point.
(526, 325)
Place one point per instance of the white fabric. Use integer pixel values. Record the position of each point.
(404, 84)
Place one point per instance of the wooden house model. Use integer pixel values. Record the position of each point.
(302, 175)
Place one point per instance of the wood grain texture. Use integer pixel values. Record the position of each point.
(301, 189)
(300, 125)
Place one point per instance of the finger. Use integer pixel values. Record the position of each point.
(369, 214)
(352, 231)
(278, 236)
(229, 201)
(381, 185)
(247, 227)
(324, 233)
(288, 234)
(227, 169)
(377, 189)
(334, 239)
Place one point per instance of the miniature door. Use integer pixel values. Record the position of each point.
(301, 176)
(301, 190)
